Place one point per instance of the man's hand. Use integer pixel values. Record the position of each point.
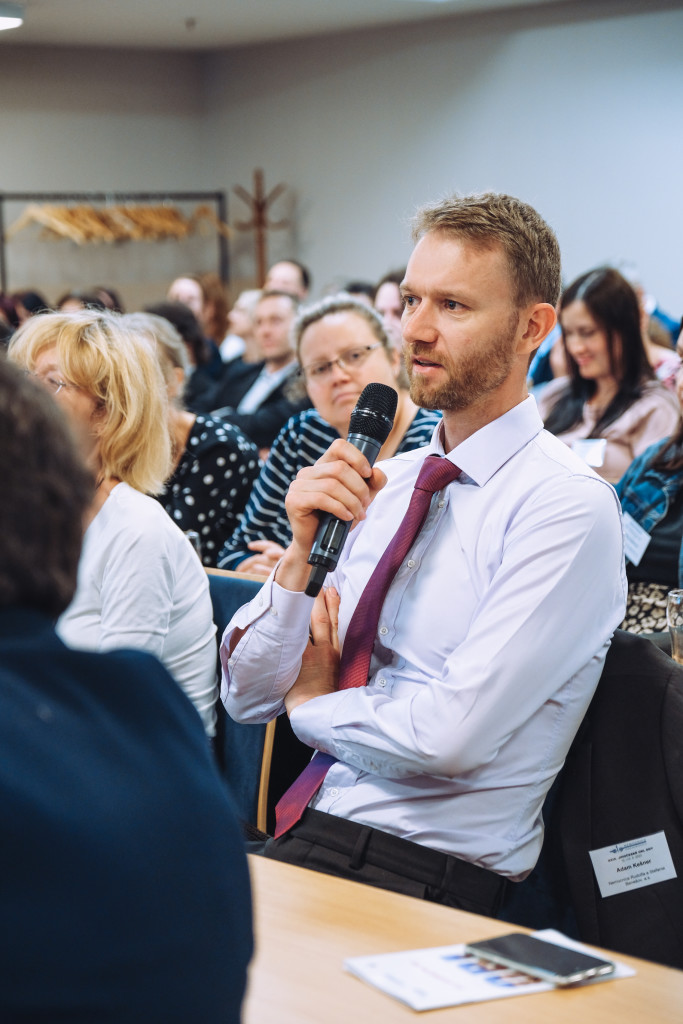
(320, 664)
(262, 564)
(341, 482)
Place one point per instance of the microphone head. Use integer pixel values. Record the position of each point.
(374, 413)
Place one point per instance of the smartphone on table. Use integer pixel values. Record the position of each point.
(547, 961)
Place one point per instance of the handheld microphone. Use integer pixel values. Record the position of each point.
(369, 427)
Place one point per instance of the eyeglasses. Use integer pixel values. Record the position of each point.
(48, 380)
(351, 359)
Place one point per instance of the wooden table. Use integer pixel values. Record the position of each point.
(306, 923)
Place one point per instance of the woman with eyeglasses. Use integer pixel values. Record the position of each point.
(342, 346)
(140, 583)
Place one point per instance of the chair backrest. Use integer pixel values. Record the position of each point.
(622, 780)
(242, 751)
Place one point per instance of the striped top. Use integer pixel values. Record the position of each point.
(301, 442)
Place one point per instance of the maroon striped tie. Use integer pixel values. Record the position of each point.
(359, 641)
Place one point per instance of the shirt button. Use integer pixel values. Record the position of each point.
(410, 563)
(381, 682)
(441, 503)
(334, 791)
(383, 631)
(273, 611)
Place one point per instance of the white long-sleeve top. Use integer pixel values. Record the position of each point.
(141, 585)
(488, 650)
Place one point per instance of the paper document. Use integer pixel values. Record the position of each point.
(430, 979)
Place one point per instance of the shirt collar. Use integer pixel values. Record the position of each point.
(482, 454)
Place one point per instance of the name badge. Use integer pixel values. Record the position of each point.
(633, 864)
(636, 539)
(591, 450)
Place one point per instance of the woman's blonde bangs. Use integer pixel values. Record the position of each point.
(119, 369)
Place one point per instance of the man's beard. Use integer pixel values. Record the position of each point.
(475, 374)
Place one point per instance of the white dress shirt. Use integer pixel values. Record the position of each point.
(488, 650)
(264, 385)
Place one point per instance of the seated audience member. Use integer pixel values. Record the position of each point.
(188, 290)
(611, 407)
(362, 291)
(342, 346)
(205, 364)
(140, 583)
(253, 396)
(9, 314)
(29, 303)
(289, 276)
(205, 295)
(651, 493)
(443, 673)
(110, 298)
(663, 359)
(389, 304)
(74, 301)
(214, 464)
(240, 342)
(9, 320)
(124, 890)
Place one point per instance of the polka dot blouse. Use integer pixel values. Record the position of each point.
(212, 483)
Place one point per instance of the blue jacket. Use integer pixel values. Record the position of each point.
(646, 493)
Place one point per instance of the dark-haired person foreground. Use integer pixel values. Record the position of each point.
(446, 718)
(611, 407)
(112, 815)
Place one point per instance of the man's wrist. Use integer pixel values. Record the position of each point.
(293, 570)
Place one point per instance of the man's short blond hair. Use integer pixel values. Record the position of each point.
(491, 219)
(118, 368)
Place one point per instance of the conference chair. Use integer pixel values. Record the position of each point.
(259, 762)
(243, 752)
(622, 781)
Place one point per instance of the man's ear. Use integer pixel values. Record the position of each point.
(536, 321)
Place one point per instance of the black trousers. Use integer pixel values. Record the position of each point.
(335, 846)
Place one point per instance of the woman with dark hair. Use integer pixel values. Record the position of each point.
(205, 363)
(651, 494)
(611, 407)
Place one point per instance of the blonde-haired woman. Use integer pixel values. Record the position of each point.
(140, 583)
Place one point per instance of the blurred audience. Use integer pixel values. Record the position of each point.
(342, 346)
(124, 889)
(71, 302)
(205, 364)
(389, 304)
(611, 407)
(241, 341)
(651, 494)
(140, 583)
(29, 303)
(109, 297)
(289, 276)
(253, 396)
(362, 291)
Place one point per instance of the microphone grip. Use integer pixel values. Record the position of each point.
(332, 532)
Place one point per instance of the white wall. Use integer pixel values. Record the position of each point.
(583, 118)
(101, 120)
(580, 113)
